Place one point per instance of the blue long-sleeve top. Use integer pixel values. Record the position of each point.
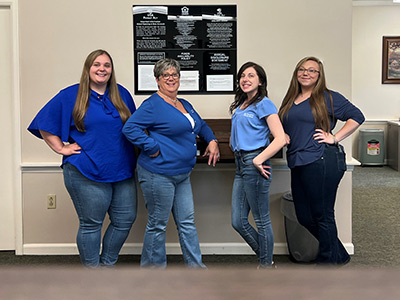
(299, 124)
(106, 155)
(168, 131)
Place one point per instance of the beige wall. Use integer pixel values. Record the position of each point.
(56, 36)
(378, 101)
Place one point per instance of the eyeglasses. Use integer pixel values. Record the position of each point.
(310, 71)
(166, 76)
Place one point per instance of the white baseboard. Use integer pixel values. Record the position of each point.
(172, 248)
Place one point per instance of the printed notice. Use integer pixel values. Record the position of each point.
(189, 81)
(219, 83)
(147, 82)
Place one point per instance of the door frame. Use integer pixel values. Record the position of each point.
(12, 5)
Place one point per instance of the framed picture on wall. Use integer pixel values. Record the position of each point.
(391, 59)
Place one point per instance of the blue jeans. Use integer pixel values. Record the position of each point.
(92, 200)
(251, 192)
(163, 194)
(314, 188)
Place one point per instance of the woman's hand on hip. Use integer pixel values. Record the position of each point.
(323, 137)
(58, 146)
(70, 149)
(155, 154)
(260, 167)
(287, 139)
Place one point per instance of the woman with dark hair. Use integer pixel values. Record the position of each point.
(83, 123)
(309, 113)
(254, 119)
(165, 128)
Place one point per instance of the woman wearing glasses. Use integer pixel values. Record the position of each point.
(309, 113)
(165, 128)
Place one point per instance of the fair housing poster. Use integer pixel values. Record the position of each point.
(202, 38)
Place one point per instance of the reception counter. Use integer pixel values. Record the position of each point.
(53, 231)
(212, 188)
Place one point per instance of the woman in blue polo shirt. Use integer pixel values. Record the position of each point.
(254, 119)
(309, 113)
(83, 123)
(165, 128)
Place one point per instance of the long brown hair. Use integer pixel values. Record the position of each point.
(82, 99)
(241, 96)
(317, 99)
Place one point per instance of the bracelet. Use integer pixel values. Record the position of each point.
(335, 142)
(215, 140)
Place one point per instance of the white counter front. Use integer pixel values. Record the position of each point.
(212, 189)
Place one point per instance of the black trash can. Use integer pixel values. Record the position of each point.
(302, 245)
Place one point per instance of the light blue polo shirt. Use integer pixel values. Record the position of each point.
(250, 130)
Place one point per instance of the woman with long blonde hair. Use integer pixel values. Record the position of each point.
(309, 113)
(83, 123)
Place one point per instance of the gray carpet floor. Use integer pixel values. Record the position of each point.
(376, 230)
(376, 217)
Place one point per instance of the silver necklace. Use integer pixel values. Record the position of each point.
(173, 100)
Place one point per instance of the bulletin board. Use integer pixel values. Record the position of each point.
(203, 39)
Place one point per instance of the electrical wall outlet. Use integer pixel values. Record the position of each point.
(51, 201)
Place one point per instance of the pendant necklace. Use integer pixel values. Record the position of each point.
(174, 101)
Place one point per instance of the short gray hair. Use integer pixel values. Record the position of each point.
(164, 64)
